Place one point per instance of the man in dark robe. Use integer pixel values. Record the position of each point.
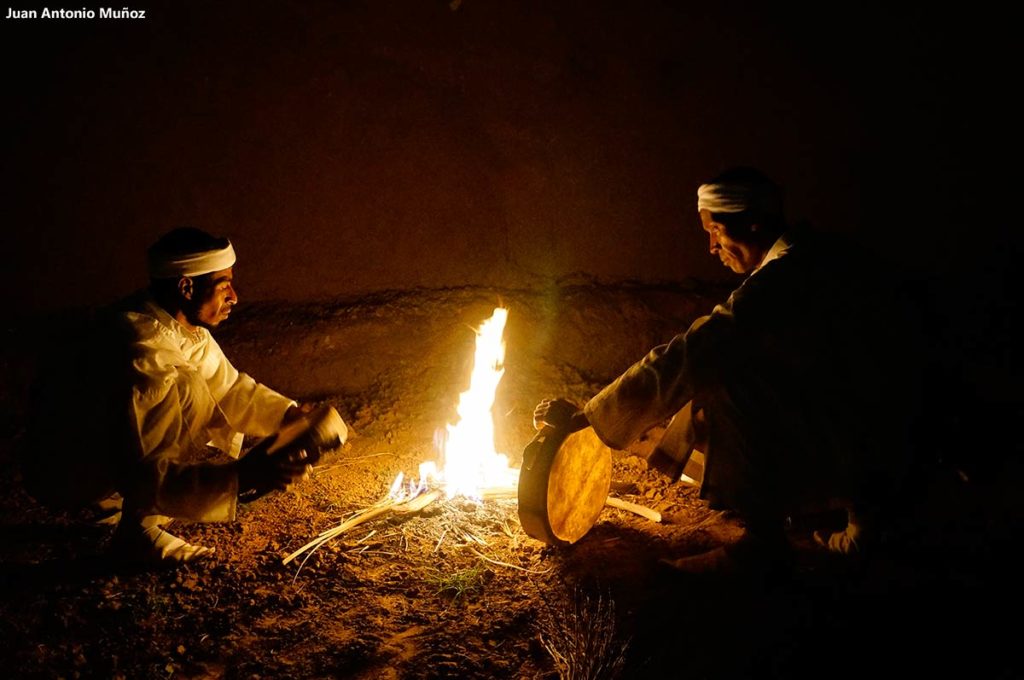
(800, 390)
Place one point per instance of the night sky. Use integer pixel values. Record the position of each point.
(352, 147)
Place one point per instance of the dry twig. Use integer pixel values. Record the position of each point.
(636, 509)
(384, 506)
(506, 564)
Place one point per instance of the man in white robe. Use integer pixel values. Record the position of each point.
(155, 391)
(800, 389)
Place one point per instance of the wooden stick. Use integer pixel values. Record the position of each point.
(365, 516)
(641, 510)
(384, 506)
(418, 503)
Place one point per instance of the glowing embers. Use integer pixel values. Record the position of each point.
(470, 463)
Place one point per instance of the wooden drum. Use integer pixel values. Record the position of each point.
(315, 432)
(563, 484)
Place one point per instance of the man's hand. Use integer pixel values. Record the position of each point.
(295, 412)
(261, 472)
(560, 414)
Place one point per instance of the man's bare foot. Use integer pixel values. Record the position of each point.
(154, 545)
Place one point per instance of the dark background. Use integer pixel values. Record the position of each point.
(352, 147)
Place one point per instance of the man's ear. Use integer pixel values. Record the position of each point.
(185, 287)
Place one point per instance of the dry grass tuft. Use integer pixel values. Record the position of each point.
(580, 637)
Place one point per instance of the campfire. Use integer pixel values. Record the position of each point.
(471, 467)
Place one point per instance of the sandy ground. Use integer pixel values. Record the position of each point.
(459, 590)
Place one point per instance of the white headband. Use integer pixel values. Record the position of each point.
(734, 198)
(191, 264)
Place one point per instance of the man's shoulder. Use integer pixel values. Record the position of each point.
(814, 242)
(807, 253)
(131, 307)
(137, 320)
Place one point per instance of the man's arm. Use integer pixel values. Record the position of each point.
(659, 385)
(249, 407)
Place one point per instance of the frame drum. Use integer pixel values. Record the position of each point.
(563, 484)
(322, 429)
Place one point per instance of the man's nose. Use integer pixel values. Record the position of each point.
(232, 296)
(712, 243)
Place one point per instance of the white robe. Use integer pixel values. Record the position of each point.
(145, 399)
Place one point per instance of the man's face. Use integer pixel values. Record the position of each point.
(740, 256)
(212, 299)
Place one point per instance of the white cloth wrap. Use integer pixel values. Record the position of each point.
(735, 198)
(191, 264)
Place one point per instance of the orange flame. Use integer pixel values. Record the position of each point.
(470, 460)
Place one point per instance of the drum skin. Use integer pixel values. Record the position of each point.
(315, 432)
(563, 484)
